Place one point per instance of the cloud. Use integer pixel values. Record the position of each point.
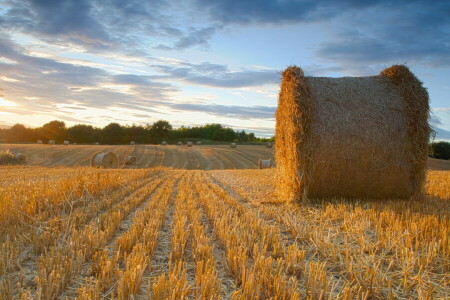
(232, 111)
(43, 85)
(214, 75)
(413, 32)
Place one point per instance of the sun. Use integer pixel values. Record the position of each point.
(4, 102)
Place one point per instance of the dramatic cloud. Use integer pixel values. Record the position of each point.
(240, 112)
(214, 75)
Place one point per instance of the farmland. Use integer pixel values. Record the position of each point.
(158, 233)
(179, 157)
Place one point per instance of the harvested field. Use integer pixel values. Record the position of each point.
(158, 233)
(148, 156)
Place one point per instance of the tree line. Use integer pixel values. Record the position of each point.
(115, 133)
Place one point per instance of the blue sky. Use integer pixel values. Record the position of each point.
(195, 61)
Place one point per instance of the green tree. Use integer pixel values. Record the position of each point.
(81, 133)
(112, 134)
(160, 130)
(440, 150)
(54, 130)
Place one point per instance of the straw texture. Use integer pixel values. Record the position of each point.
(356, 137)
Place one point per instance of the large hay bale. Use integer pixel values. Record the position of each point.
(130, 160)
(51, 142)
(20, 158)
(351, 137)
(164, 143)
(233, 145)
(40, 142)
(189, 144)
(66, 143)
(264, 163)
(104, 160)
(132, 143)
(179, 143)
(198, 142)
(269, 145)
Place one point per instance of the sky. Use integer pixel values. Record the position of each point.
(194, 62)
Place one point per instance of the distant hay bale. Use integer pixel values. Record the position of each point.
(21, 158)
(104, 160)
(269, 145)
(8, 158)
(264, 163)
(51, 142)
(75, 143)
(131, 160)
(198, 142)
(179, 143)
(189, 144)
(164, 143)
(132, 143)
(96, 143)
(355, 137)
(233, 145)
(66, 143)
(40, 142)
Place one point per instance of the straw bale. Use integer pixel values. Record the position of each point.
(51, 142)
(164, 143)
(132, 143)
(189, 144)
(199, 142)
(269, 145)
(264, 163)
(40, 142)
(233, 145)
(66, 143)
(20, 158)
(104, 160)
(179, 143)
(131, 160)
(355, 137)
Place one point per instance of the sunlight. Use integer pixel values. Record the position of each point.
(4, 102)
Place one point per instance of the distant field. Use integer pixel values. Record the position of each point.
(148, 156)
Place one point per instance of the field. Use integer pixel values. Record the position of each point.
(179, 157)
(167, 233)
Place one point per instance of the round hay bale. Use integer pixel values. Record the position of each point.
(179, 143)
(20, 158)
(51, 142)
(354, 137)
(66, 143)
(189, 144)
(104, 160)
(40, 142)
(233, 145)
(264, 163)
(164, 143)
(269, 145)
(96, 143)
(198, 142)
(132, 143)
(131, 160)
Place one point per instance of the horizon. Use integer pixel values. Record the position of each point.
(198, 62)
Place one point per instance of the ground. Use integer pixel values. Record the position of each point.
(163, 233)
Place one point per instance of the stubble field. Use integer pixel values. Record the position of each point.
(162, 233)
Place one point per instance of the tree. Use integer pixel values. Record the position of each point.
(440, 150)
(54, 130)
(19, 133)
(112, 134)
(81, 133)
(160, 130)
